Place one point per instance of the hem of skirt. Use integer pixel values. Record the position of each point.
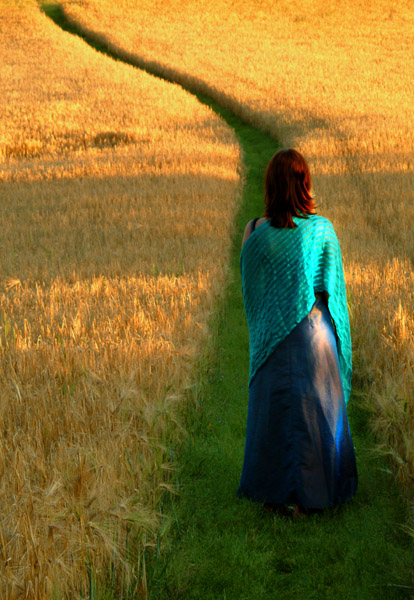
(292, 499)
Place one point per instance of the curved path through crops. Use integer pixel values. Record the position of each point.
(218, 547)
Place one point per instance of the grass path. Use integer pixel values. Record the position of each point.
(219, 547)
(224, 548)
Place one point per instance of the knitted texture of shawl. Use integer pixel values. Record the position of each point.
(281, 271)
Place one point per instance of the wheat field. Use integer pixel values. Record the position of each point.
(335, 81)
(118, 198)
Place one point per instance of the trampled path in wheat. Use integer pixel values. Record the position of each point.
(220, 547)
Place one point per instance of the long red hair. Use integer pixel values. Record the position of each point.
(288, 189)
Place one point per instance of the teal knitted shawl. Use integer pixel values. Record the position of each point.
(281, 271)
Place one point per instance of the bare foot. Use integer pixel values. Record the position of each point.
(300, 510)
(279, 509)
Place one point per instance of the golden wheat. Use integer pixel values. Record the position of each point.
(334, 80)
(118, 195)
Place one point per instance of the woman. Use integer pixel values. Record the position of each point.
(298, 443)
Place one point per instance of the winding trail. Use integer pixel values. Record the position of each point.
(219, 547)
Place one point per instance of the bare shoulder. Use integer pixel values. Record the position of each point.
(248, 228)
(247, 231)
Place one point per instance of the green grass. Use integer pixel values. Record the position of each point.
(220, 547)
(223, 547)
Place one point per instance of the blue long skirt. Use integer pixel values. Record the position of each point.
(299, 448)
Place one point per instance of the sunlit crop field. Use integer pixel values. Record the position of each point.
(336, 81)
(118, 193)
